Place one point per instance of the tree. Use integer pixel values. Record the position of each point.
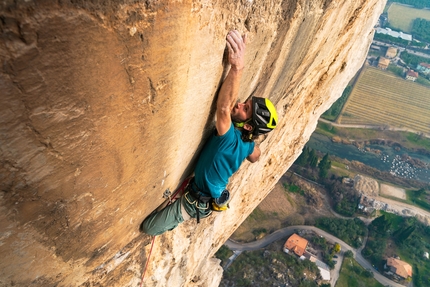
(421, 29)
(348, 254)
(336, 248)
(313, 158)
(324, 165)
(304, 156)
(419, 192)
(381, 224)
(405, 233)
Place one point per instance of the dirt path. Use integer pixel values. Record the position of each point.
(405, 209)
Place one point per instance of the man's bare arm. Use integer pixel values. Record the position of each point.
(255, 155)
(230, 87)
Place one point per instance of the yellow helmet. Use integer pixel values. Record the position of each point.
(264, 116)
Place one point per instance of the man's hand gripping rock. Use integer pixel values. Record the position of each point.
(236, 50)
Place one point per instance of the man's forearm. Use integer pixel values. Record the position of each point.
(230, 87)
(229, 92)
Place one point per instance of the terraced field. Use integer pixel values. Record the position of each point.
(382, 99)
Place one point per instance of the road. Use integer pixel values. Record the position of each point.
(285, 232)
(401, 49)
(373, 127)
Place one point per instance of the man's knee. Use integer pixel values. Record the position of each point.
(159, 222)
(152, 228)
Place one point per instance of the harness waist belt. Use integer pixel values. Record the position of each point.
(197, 193)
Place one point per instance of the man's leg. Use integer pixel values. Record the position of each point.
(167, 219)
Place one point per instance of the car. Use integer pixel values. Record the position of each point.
(334, 261)
(335, 256)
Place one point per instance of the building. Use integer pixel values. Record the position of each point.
(374, 47)
(424, 68)
(324, 269)
(296, 244)
(391, 52)
(411, 75)
(383, 63)
(394, 34)
(399, 267)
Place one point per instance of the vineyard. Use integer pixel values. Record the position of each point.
(382, 99)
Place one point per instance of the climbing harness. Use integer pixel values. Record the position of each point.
(199, 198)
(167, 194)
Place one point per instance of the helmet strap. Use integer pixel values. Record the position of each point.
(241, 124)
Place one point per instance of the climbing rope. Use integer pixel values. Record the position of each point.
(180, 189)
(147, 261)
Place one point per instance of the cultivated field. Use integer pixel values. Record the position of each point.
(381, 99)
(393, 191)
(401, 17)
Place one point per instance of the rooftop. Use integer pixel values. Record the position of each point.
(402, 268)
(297, 244)
(395, 34)
(384, 61)
(412, 73)
(425, 65)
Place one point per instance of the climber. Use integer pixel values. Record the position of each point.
(237, 125)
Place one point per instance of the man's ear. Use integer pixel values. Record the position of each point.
(248, 127)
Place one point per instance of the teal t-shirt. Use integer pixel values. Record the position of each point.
(219, 159)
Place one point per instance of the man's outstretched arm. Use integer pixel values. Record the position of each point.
(230, 87)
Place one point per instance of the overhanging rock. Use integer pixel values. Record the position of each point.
(105, 104)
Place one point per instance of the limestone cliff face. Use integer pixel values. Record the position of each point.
(105, 104)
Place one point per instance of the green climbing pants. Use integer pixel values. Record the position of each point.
(172, 215)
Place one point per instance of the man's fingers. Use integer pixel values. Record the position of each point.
(230, 49)
(233, 44)
(236, 36)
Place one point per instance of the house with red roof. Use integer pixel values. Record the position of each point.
(296, 244)
(399, 267)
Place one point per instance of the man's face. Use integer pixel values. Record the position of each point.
(242, 111)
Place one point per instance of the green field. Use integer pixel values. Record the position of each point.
(352, 275)
(419, 197)
(401, 17)
(382, 99)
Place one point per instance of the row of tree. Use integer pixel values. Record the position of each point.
(352, 231)
(413, 60)
(333, 112)
(421, 29)
(309, 158)
(391, 39)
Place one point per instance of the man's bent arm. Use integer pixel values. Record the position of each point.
(230, 87)
(255, 155)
